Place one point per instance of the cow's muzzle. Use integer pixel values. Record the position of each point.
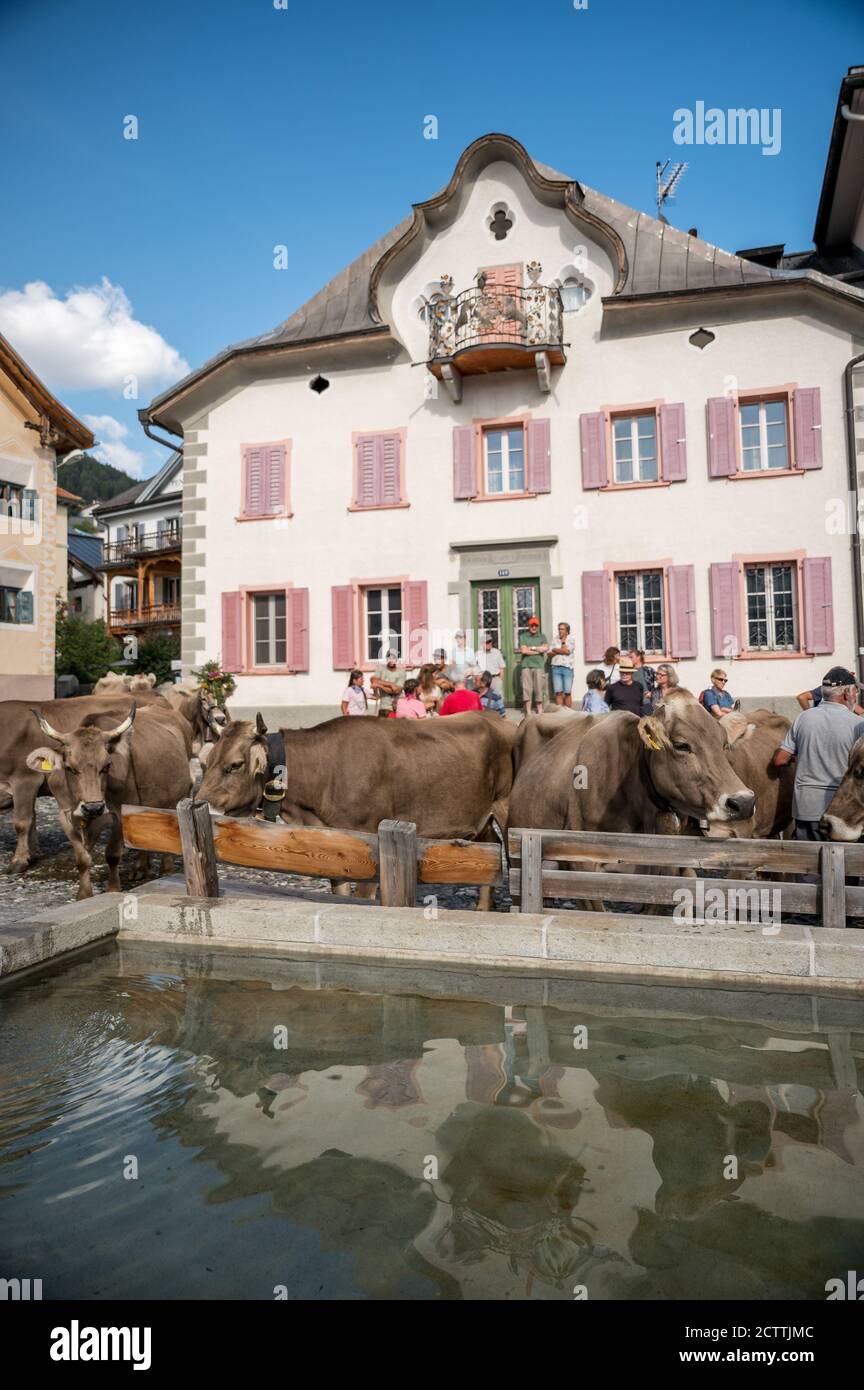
(833, 828)
(738, 807)
(91, 809)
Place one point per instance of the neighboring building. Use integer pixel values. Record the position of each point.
(598, 388)
(35, 431)
(86, 582)
(65, 500)
(141, 553)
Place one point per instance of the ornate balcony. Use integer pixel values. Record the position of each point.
(495, 328)
(157, 615)
(120, 553)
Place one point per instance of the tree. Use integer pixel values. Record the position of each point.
(155, 653)
(85, 650)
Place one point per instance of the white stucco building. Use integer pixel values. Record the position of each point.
(536, 399)
(141, 553)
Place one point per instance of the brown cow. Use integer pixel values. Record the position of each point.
(450, 776)
(620, 772)
(19, 734)
(759, 735)
(94, 770)
(117, 682)
(844, 816)
(199, 709)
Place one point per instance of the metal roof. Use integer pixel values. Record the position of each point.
(87, 549)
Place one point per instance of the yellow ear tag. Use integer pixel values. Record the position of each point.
(46, 766)
(652, 741)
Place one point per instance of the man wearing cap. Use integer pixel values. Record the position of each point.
(387, 683)
(626, 693)
(820, 740)
(533, 646)
(463, 662)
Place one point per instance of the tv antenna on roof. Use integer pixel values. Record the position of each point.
(667, 182)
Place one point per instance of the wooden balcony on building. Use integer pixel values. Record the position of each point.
(132, 619)
(495, 329)
(118, 554)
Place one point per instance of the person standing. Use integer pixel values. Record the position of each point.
(354, 698)
(820, 741)
(609, 665)
(644, 675)
(463, 661)
(626, 693)
(533, 646)
(593, 701)
(495, 665)
(562, 666)
(667, 679)
(387, 682)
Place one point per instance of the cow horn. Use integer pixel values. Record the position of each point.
(125, 726)
(46, 727)
(260, 725)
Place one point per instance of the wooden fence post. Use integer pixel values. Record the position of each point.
(832, 867)
(397, 861)
(199, 852)
(531, 898)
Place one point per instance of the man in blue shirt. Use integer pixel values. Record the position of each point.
(489, 698)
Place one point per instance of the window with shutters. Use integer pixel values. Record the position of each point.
(379, 470)
(265, 482)
(11, 499)
(771, 598)
(640, 611)
(634, 448)
(9, 598)
(764, 435)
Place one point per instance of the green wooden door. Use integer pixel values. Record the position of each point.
(502, 607)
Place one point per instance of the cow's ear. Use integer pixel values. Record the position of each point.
(652, 733)
(258, 759)
(736, 729)
(44, 760)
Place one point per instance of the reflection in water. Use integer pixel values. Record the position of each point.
(411, 1147)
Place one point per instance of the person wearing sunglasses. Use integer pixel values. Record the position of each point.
(717, 699)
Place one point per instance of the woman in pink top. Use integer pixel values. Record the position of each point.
(410, 706)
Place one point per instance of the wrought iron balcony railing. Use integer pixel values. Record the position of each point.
(149, 543)
(529, 318)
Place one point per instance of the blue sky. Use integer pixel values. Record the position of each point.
(303, 126)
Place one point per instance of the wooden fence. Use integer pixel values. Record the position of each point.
(536, 856)
(397, 858)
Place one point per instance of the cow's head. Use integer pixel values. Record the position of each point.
(142, 682)
(234, 778)
(844, 817)
(78, 771)
(686, 751)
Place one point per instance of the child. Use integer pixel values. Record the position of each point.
(354, 699)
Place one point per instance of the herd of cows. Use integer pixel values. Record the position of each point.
(675, 771)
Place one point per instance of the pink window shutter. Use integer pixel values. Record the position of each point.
(388, 481)
(297, 613)
(254, 468)
(818, 607)
(232, 631)
(596, 624)
(415, 604)
(464, 463)
(673, 443)
(344, 651)
(539, 471)
(274, 472)
(725, 611)
(722, 444)
(807, 409)
(592, 435)
(366, 471)
(682, 610)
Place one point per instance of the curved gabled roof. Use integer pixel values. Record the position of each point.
(650, 256)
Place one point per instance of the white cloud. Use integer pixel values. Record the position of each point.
(89, 340)
(111, 448)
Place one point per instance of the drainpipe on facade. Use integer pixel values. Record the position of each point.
(166, 443)
(856, 536)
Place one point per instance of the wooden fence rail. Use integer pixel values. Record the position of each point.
(535, 875)
(397, 858)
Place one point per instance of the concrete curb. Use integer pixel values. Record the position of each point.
(50, 935)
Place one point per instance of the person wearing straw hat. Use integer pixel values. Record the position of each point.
(626, 693)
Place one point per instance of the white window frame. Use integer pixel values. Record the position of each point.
(641, 640)
(765, 448)
(771, 618)
(388, 636)
(272, 595)
(506, 489)
(635, 461)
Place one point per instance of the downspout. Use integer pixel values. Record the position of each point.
(856, 535)
(166, 443)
